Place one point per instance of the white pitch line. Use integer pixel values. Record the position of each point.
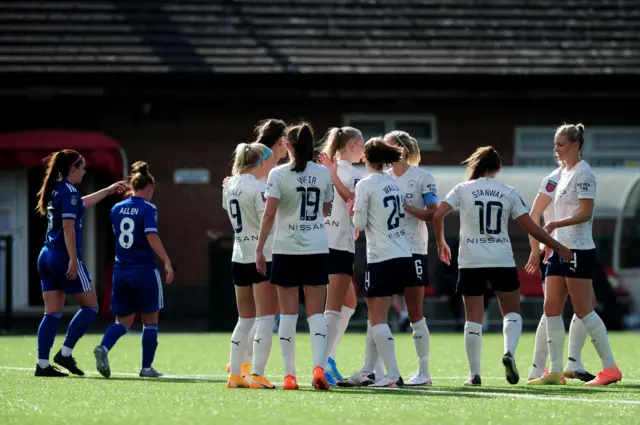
(425, 391)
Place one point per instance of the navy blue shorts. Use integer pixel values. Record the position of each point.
(341, 262)
(300, 270)
(582, 266)
(420, 265)
(543, 268)
(52, 267)
(473, 282)
(390, 277)
(247, 274)
(136, 289)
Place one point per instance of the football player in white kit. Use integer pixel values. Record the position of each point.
(299, 195)
(243, 199)
(378, 209)
(485, 254)
(421, 201)
(577, 332)
(342, 148)
(573, 213)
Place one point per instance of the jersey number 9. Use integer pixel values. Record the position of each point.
(397, 213)
(125, 239)
(485, 221)
(234, 212)
(309, 203)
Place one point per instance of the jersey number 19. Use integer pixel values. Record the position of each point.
(309, 203)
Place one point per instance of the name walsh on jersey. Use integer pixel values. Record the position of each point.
(488, 192)
(391, 188)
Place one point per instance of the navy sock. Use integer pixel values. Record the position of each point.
(79, 325)
(113, 334)
(149, 344)
(47, 334)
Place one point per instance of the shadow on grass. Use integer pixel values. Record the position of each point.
(163, 380)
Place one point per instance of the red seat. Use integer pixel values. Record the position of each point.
(530, 284)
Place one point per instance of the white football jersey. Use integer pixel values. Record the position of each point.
(243, 198)
(575, 184)
(414, 183)
(299, 225)
(379, 211)
(339, 226)
(548, 187)
(485, 206)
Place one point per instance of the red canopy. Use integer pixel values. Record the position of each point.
(28, 149)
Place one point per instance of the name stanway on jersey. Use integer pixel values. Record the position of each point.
(340, 229)
(575, 184)
(379, 210)
(244, 199)
(548, 187)
(485, 206)
(300, 227)
(414, 183)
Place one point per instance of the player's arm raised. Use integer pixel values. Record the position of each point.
(332, 165)
(93, 198)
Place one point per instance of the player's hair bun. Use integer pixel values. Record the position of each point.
(140, 167)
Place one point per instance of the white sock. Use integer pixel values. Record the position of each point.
(262, 343)
(332, 319)
(252, 335)
(378, 370)
(473, 346)
(66, 351)
(345, 317)
(43, 363)
(370, 351)
(287, 335)
(386, 349)
(599, 338)
(511, 329)
(540, 351)
(421, 341)
(239, 339)
(577, 337)
(318, 332)
(555, 342)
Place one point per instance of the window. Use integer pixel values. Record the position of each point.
(603, 146)
(422, 127)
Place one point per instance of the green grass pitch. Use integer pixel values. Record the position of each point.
(194, 390)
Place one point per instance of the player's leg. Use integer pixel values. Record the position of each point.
(266, 299)
(414, 296)
(398, 304)
(506, 286)
(149, 344)
(288, 299)
(540, 350)
(582, 300)
(240, 336)
(53, 304)
(339, 284)
(385, 345)
(474, 317)
(84, 293)
(314, 305)
(347, 311)
(577, 338)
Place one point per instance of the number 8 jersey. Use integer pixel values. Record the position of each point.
(132, 220)
(379, 211)
(244, 199)
(300, 225)
(485, 206)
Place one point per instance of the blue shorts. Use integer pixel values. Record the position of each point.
(420, 265)
(136, 290)
(582, 266)
(473, 282)
(300, 270)
(341, 262)
(52, 267)
(390, 277)
(246, 274)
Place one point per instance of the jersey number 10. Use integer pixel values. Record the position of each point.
(485, 220)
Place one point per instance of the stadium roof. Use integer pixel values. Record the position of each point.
(444, 37)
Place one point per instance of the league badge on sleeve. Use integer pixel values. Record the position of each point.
(74, 200)
(551, 186)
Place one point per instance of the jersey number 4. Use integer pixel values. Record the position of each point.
(127, 227)
(397, 213)
(485, 219)
(309, 203)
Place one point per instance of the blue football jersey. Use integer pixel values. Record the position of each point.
(132, 220)
(66, 204)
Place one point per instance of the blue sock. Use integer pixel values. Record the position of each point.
(113, 334)
(149, 344)
(78, 327)
(47, 334)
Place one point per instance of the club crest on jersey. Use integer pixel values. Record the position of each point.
(411, 184)
(551, 186)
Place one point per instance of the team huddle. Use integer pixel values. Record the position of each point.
(295, 227)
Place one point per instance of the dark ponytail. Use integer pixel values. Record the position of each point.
(140, 176)
(269, 131)
(57, 165)
(301, 139)
(484, 160)
(378, 153)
